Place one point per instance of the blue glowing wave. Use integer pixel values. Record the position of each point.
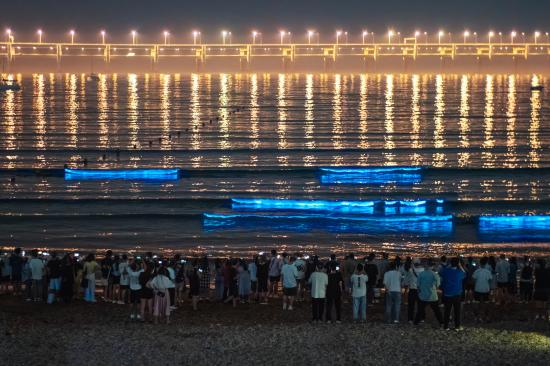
(426, 226)
(124, 174)
(398, 175)
(402, 207)
(260, 204)
(514, 228)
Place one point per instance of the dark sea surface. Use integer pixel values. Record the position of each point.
(483, 140)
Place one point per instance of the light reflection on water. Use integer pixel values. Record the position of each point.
(273, 121)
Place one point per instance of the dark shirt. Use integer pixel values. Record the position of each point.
(334, 288)
(16, 263)
(263, 271)
(106, 264)
(372, 272)
(54, 268)
(542, 278)
(229, 274)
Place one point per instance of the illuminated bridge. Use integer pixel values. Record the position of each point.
(408, 49)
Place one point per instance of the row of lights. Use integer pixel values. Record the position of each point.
(313, 35)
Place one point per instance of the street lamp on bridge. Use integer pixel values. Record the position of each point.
(39, 32)
(513, 35)
(491, 35)
(391, 33)
(71, 32)
(195, 35)
(466, 35)
(310, 34)
(439, 35)
(102, 36)
(134, 36)
(166, 37)
(537, 35)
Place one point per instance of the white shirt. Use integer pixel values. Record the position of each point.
(161, 283)
(37, 268)
(358, 285)
(392, 281)
(482, 277)
(319, 283)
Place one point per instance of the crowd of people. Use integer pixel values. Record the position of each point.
(152, 287)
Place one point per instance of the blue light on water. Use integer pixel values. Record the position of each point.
(122, 174)
(393, 207)
(374, 175)
(262, 204)
(425, 226)
(514, 228)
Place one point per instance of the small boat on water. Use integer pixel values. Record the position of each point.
(12, 85)
(537, 87)
(93, 77)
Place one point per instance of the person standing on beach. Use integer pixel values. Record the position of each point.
(134, 270)
(244, 282)
(335, 289)
(16, 264)
(124, 280)
(36, 266)
(428, 283)
(253, 270)
(392, 283)
(263, 275)
(147, 294)
(350, 264)
(53, 270)
(452, 286)
(160, 285)
(526, 281)
(358, 288)
(89, 276)
(106, 281)
(275, 265)
(289, 275)
(301, 279)
(482, 288)
(67, 278)
(371, 270)
(412, 269)
(503, 275)
(318, 281)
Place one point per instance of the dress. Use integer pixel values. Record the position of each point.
(244, 283)
(162, 296)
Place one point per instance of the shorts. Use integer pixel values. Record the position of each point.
(542, 294)
(290, 291)
(262, 284)
(55, 284)
(124, 287)
(481, 296)
(503, 284)
(114, 280)
(135, 296)
(302, 282)
(274, 278)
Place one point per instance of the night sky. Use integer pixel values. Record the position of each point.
(151, 17)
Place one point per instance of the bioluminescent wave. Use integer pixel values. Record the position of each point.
(514, 228)
(123, 174)
(372, 176)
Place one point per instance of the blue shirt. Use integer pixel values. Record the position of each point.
(451, 281)
(253, 271)
(289, 273)
(428, 282)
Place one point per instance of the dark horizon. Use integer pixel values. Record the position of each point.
(150, 19)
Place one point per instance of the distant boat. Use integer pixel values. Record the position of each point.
(6, 85)
(537, 87)
(93, 77)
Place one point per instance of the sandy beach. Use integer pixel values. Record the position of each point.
(217, 334)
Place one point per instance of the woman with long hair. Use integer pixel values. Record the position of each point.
(67, 278)
(89, 278)
(147, 293)
(160, 284)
